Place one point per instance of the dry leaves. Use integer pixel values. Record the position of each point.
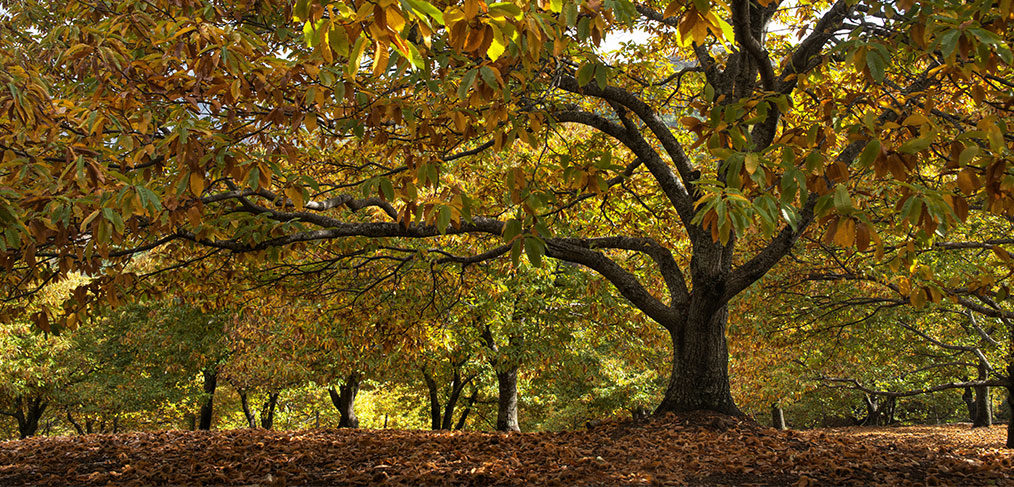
(697, 449)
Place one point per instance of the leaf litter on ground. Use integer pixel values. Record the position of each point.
(700, 449)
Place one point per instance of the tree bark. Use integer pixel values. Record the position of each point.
(983, 409)
(457, 385)
(207, 409)
(507, 400)
(969, 400)
(431, 385)
(777, 417)
(28, 412)
(700, 365)
(77, 427)
(1010, 407)
(268, 410)
(244, 402)
(344, 400)
(468, 409)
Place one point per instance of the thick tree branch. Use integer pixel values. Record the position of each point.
(744, 37)
(654, 123)
(673, 276)
(755, 268)
(625, 282)
(668, 182)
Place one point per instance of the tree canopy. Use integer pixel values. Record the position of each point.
(365, 134)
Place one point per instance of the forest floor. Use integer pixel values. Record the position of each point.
(697, 449)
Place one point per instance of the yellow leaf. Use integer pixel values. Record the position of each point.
(196, 183)
(380, 58)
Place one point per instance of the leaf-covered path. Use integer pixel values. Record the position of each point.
(698, 450)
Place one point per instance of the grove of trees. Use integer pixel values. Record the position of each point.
(495, 215)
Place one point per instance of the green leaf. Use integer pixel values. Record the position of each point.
(511, 229)
(489, 77)
(570, 13)
(516, 252)
(534, 250)
(508, 9)
(387, 189)
(915, 145)
(842, 199)
(877, 64)
(870, 153)
(949, 42)
(414, 56)
(600, 76)
(585, 73)
(466, 83)
(443, 218)
(428, 9)
(113, 218)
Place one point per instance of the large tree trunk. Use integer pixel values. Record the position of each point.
(207, 409)
(700, 365)
(344, 399)
(507, 400)
(507, 385)
(983, 409)
(268, 410)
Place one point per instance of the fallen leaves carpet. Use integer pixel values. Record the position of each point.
(696, 449)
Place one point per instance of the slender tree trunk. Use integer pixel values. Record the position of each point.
(244, 403)
(116, 423)
(344, 400)
(468, 409)
(507, 400)
(969, 400)
(77, 427)
(983, 410)
(457, 385)
(700, 364)
(1010, 407)
(777, 417)
(268, 410)
(207, 409)
(431, 385)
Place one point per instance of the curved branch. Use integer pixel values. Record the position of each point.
(670, 270)
(670, 184)
(625, 282)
